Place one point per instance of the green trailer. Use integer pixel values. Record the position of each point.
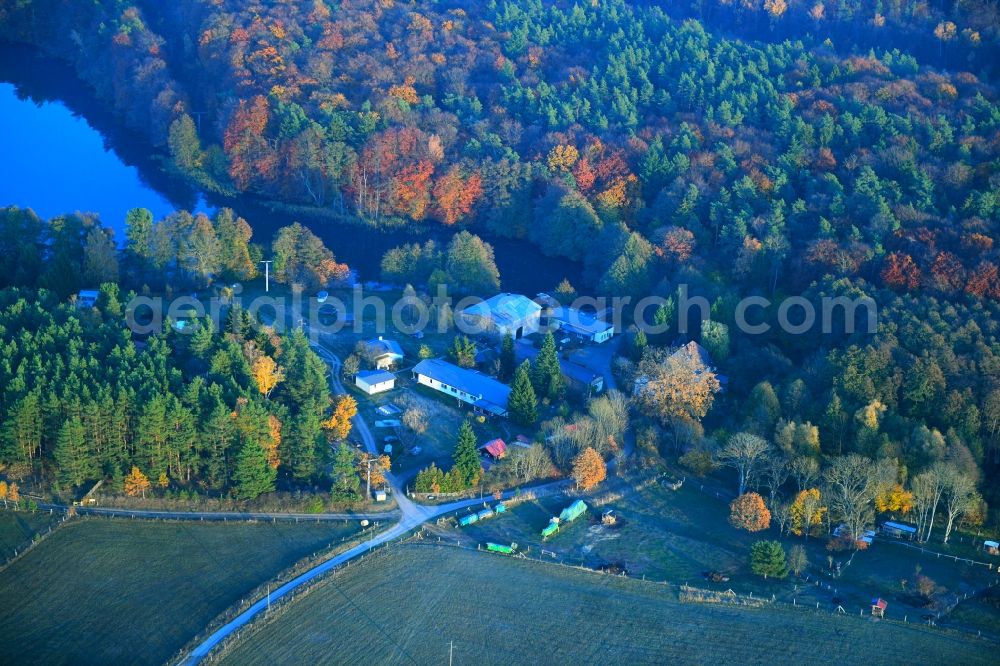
(551, 528)
(573, 511)
(499, 548)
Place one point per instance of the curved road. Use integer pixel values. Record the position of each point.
(412, 515)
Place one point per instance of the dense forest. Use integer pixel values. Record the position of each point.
(764, 147)
(235, 408)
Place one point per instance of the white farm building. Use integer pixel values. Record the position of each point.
(375, 381)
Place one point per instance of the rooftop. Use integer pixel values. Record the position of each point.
(695, 351)
(487, 389)
(579, 321)
(382, 347)
(505, 308)
(495, 447)
(375, 376)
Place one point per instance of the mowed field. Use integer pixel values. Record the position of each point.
(405, 606)
(120, 591)
(18, 528)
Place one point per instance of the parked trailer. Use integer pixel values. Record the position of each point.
(464, 521)
(485, 513)
(573, 511)
(500, 508)
(499, 548)
(551, 528)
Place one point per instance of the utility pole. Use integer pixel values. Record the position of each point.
(451, 651)
(267, 274)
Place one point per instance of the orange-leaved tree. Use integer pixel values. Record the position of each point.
(379, 465)
(589, 469)
(456, 193)
(273, 443)
(748, 512)
(338, 425)
(136, 483)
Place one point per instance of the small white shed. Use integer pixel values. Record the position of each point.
(375, 381)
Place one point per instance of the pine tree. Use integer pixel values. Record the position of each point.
(76, 463)
(253, 476)
(523, 404)
(466, 456)
(546, 374)
(508, 360)
(767, 559)
(345, 479)
(302, 443)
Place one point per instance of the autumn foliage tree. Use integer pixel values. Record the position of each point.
(748, 512)
(455, 194)
(136, 483)
(250, 154)
(901, 272)
(589, 469)
(806, 512)
(267, 374)
(338, 425)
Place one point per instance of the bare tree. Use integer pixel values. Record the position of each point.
(529, 464)
(782, 514)
(744, 453)
(805, 471)
(960, 497)
(927, 490)
(853, 481)
(415, 422)
(774, 473)
(610, 415)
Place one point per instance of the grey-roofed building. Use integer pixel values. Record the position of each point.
(504, 313)
(384, 353)
(375, 381)
(484, 393)
(582, 325)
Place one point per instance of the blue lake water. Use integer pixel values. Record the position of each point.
(62, 151)
(55, 162)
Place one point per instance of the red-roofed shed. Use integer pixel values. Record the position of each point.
(495, 447)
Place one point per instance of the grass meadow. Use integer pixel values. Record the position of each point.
(405, 606)
(100, 591)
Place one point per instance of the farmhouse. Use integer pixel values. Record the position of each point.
(586, 327)
(384, 353)
(485, 394)
(504, 313)
(375, 381)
